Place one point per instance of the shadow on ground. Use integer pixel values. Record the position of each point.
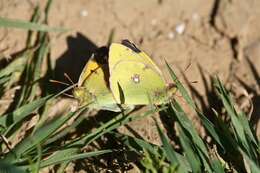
(73, 60)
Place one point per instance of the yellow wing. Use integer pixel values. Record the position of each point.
(128, 51)
(139, 84)
(93, 88)
(134, 78)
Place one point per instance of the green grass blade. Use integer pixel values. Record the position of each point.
(65, 131)
(189, 150)
(9, 168)
(119, 120)
(37, 65)
(180, 87)
(170, 153)
(71, 156)
(10, 119)
(189, 129)
(16, 65)
(245, 123)
(253, 165)
(217, 166)
(38, 161)
(39, 136)
(34, 19)
(186, 124)
(62, 153)
(140, 144)
(238, 126)
(210, 127)
(14, 23)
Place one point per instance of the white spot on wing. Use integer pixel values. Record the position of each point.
(136, 78)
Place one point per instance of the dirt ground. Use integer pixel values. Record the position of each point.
(214, 36)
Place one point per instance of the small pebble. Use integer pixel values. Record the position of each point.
(84, 13)
(195, 16)
(154, 22)
(171, 35)
(180, 28)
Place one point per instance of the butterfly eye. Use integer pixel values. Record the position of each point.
(136, 78)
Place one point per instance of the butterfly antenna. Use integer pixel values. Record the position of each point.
(71, 96)
(188, 66)
(185, 69)
(67, 76)
(59, 82)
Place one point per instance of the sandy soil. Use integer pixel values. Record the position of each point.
(214, 36)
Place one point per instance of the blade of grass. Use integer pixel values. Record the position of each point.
(73, 147)
(180, 87)
(36, 166)
(238, 126)
(10, 119)
(16, 65)
(140, 144)
(186, 124)
(39, 136)
(188, 128)
(217, 166)
(245, 123)
(7, 167)
(170, 153)
(189, 150)
(35, 19)
(65, 131)
(19, 24)
(253, 166)
(210, 127)
(40, 55)
(71, 156)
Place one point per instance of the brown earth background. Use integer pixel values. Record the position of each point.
(212, 37)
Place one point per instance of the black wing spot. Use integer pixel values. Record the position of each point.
(130, 45)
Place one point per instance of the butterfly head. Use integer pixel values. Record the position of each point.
(171, 89)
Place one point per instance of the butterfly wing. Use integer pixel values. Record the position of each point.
(93, 88)
(139, 83)
(135, 75)
(128, 51)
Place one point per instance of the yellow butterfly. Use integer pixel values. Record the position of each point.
(129, 78)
